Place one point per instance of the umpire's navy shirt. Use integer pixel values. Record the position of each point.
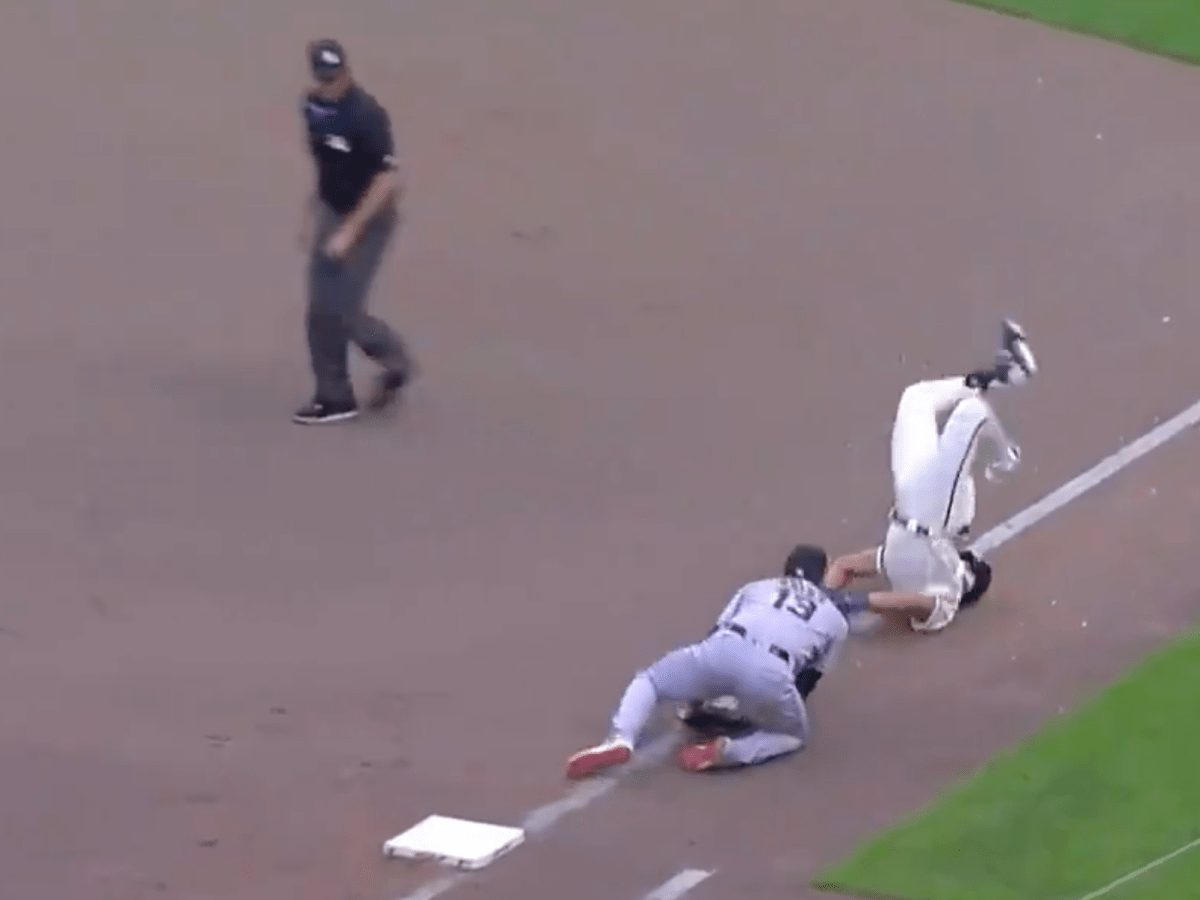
(351, 142)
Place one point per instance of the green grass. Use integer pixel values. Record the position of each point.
(1091, 797)
(1174, 880)
(1166, 27)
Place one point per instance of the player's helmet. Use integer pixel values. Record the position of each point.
(807, 561)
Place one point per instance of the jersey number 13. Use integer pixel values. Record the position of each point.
(799, 606)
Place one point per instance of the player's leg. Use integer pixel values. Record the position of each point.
(972, 425)
(785, 726)
(915, 428)
(680, 675)
(915, 434)
(942, 493)
(926, 577)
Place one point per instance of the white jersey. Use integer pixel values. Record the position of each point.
(792, 614)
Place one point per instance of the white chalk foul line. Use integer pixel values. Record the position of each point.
(544, 817)
(1097, 474)
(1138, 873)
(676, 887)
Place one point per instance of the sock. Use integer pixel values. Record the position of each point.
(981, 380)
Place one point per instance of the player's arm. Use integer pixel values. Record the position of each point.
(808, 676)
(908, 604)
(884, 603)
(844, 569)
(387, 185)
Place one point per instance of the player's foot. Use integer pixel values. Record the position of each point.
(702, 757)
(613, 752)
(322, 412)
(944, 610)
(1015, 358)
(1015, 362)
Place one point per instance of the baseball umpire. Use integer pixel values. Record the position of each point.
(349, 224)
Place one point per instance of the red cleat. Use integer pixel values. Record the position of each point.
(701, 757)
(615, 752)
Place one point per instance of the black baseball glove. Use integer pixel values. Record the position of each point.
(712, 722)
(709, 721)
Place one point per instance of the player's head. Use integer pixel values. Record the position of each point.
(807, 561)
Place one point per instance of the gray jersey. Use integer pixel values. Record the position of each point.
(794, 615)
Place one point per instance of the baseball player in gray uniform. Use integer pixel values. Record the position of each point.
(773, 641)
(923, 554)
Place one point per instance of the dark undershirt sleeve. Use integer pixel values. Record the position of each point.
(849, 602)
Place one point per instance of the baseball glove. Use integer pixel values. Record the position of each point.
(712, 722)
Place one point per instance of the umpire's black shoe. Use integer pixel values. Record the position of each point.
(388, 387)
(322, 412)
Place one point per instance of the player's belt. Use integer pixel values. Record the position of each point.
(909, 524)
(917, 528)
(740, 631)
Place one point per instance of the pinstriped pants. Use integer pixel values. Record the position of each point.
(932, 469)
(934, 482)
(722, 664)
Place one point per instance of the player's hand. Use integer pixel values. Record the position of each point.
(339, 244)
(1008, 461)
(837, 577)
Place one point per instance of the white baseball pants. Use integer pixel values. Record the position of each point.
(934, 485)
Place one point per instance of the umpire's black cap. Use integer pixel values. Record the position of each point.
(807, 561)
(327, 59)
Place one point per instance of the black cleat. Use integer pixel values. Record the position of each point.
(1015, 362)
(1015, 357)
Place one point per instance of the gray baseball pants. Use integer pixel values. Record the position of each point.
(337, 304)
(720, 665)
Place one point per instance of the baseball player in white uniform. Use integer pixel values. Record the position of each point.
(933, 479)
(771, 644)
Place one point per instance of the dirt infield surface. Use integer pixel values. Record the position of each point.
(668, 270)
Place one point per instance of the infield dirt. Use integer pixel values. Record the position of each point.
(667, 271)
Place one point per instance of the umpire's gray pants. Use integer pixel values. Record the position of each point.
(722, 664)
(337, 303)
